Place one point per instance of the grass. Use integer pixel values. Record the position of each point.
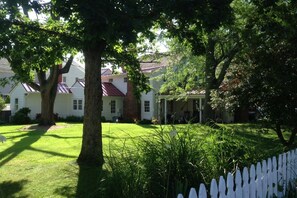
(37, 162)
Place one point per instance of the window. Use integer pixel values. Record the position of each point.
(113, 106)
(16, 104)
(64, 79)
(74, 104)
(146, 106)
(77, 105)
(110, 80)
(125, 79)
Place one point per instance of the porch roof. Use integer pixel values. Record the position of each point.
(188, 95)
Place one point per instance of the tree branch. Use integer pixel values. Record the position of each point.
(34, 85)
(229, 57)
(35, 27)
(66, 68)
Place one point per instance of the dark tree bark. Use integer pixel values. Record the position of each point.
(210, 80)
(213, 81)
(280, 135)
(48, 95)
(91, 151)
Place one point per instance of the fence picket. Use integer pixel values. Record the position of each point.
(180, 196)
(246, 186)
(264, 178)
(202, 191)
(213, 189)
(238, 184)
(270, 178)
(252, 182)
(280, 178)
(284, 173)
(230, 186)
(193, 193)
(274, 177)
(258, 182)
(222, 187)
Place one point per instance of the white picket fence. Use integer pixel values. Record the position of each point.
(270, 178)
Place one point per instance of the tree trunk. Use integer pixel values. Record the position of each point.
(47, 106)
(48, 92)
(91, 150)
(210, 81)
(281, 137)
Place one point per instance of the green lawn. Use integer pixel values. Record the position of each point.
(35, 162)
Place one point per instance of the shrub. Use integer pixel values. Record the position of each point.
(21, 116)
(2, 104)
(75, 119)
(7, 99)
(145, 121)
(103, 119)
(172, 162)
(125, 172)
(225, 153)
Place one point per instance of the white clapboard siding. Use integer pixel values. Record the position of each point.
(270, 178)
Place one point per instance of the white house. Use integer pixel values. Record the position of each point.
(112, 100)
(22, 95)
(118, 97)
(69, 101)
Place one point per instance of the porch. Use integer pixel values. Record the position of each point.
(176, 110)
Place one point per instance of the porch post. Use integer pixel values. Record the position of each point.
(200, 110)
(165, 111)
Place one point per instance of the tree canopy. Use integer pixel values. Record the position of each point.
(265, 77)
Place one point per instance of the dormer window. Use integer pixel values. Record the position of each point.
(110, 80)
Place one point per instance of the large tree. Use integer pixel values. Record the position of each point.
(102, 28)
(271, 80)
(98, 29)
(265, 77)
(207, 26)
(33, 52)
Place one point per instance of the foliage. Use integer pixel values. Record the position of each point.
(7, 99)
(225, 153)
(124, 172)
(209, 29)
(172, 162)
(266, 79)
(21, 116)
(75, 119)
(184, 72)
(2, 103)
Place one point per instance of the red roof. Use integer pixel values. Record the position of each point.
(62, 88)
(108, 89)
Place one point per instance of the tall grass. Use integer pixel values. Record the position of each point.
(171, 160)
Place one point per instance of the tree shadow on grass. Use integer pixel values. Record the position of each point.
(28, 138)
(10, 188)
(25, 143)
(89, 184)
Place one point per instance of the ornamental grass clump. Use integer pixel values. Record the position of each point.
(172, 162)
